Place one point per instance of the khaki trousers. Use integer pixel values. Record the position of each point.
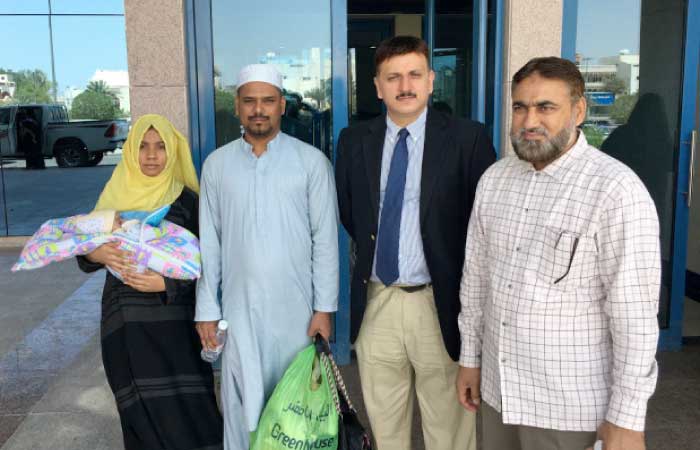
(399, 350)
(498, 436)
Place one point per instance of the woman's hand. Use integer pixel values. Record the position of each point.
(148, 281)
(109, 255)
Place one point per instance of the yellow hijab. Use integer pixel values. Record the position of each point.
(129, 189)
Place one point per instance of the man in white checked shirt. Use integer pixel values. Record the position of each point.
(560, 284)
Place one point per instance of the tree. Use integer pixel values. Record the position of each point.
(594, 136)
(318, 94)
(224, 100)
(622, 108)
(321, 94)
(100, 86)
(32, 86)
(90, 104)
(615, 85)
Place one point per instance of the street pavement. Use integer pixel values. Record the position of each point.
(53, 392)
(30, 197)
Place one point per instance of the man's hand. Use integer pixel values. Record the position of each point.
(618, 438)
(468, 392)
(149, 281)
(109, 255)
(207, 333)
(320, 324)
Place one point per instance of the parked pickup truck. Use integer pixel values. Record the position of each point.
(74, 143)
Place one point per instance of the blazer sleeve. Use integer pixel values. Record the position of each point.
(343, 179)
(482, 155)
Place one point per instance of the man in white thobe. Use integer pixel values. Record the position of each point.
(268, 236)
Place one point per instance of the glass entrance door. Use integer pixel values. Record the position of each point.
(295, 37)
(639, 62)
(327, 71)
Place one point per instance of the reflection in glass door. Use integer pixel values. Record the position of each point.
(631, 54)
(293, 36)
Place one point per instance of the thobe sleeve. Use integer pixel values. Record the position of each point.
(323, 216)
(208, 308)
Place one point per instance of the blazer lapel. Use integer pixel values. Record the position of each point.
(372, 148)
(433, 157)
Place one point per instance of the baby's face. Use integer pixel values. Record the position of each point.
(117, 222)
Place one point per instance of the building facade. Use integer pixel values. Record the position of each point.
(639, 59)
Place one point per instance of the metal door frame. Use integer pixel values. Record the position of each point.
(670, 338)
(200, 60)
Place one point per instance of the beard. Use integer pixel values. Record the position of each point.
(544, 151)
(258, 130)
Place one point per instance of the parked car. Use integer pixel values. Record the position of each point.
(74, 143)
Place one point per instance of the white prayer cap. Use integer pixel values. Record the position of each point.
(267, 73)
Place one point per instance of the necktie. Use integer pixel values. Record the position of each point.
(390, 220)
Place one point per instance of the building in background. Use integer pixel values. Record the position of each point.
(7, 88)
(607, 79)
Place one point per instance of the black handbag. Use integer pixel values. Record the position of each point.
(351, 434)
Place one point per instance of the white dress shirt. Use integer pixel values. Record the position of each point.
(413, 270)
(560, 292)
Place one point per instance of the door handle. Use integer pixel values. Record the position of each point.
(691, 170)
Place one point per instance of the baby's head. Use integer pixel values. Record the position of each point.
(103, 221)
(117, 223)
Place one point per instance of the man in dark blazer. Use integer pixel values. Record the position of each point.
(406, 183)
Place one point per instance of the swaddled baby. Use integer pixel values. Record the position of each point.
(154, 243)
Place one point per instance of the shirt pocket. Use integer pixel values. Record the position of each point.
(567, 260)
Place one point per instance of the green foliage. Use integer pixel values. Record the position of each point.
(227, 124)
(615, 85)
(31, 86)
(224, 100)
(92, 104)
(622, 108)
(594, 136)
(100, 87)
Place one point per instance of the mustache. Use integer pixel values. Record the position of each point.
(258, 116)
(537, 130)
(407, 94)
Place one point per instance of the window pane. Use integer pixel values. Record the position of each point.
(87, 7)
(452, 57)
(630, 55)
(99, 68)
(39, 133)
(297, 41)
(24, 7)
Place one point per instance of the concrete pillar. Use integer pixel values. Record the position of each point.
(530, 28)
(155, 40)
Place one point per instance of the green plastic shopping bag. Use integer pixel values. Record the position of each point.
(300, 414)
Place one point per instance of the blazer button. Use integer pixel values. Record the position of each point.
(364, 281)
(372, 236)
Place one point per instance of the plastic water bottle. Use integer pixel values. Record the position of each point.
(211, 355)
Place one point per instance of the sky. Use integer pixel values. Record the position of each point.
(604, 27)
(243, 33)
(82, 44)
(62, 6)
